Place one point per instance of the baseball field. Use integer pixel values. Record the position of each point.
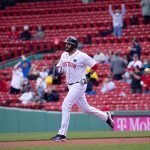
(77, 141)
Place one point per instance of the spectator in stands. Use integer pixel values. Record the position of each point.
(94, 76)
(107, 84)
(93, 81)
(25, 65)
(44, 71)
(109, 56)
(25, 35)
(136, 49)
(126, 76)
(145, 4)
(136, 74)
(49, 81)
(117, 18)
(33, 73)
(118, 66)
(39, 33)
(99, 56)
(146, 63)
(28, 97)
(54, 73)
(145, 81)
(17, 80)
(25, 97)
(89, 89)
(41, 84)
(135, 62)
(26, 86)
(51, 95)
(13, 34)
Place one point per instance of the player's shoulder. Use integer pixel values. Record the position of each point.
(64, 54)
(82, 53)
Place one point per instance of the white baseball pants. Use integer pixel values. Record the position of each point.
(76, 95)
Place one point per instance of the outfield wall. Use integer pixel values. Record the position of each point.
(24, 120)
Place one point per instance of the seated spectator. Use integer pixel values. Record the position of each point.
(93, 81)
(89, 89)
(25, 35)
(126, 76)
(109, 56)
(135, 62)
(25, 97)
(136, 74)
(29, 96)
(51, 95)
(25, 65)
(99, 57)
(41, 84)
(107, 84)
(39, 33)
(26, 86)
(54, 73)
(136, 49)
(33, 73)
(145, 81)
(13, 34)
(94, 76)
(44, 71)
(49, 80)
(17, 80)
(146, 63)
(118, 66)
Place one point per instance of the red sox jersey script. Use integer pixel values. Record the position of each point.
(75, 65)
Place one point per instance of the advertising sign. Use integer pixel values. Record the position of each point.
(132, 123)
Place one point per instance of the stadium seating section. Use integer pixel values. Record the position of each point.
(72, 17)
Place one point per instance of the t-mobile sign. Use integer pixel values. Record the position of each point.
(133, 123)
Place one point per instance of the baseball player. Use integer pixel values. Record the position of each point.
(73, 63)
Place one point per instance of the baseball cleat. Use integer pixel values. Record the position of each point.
(110, 121)
(58, 138)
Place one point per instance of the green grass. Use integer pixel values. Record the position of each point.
(88, 147)
(47, 135)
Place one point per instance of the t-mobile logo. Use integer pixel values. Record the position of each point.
(121, 124)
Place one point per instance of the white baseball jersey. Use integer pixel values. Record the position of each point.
(17, 79)
(75, 65)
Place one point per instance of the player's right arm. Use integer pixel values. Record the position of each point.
(89, 61)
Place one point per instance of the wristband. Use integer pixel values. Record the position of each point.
(88, 75)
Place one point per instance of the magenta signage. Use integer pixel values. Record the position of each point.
(132, 123)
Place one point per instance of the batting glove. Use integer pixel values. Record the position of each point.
(84, 81)
(60, 70)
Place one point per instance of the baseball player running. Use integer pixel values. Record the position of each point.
(73, 63)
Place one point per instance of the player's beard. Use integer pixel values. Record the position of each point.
(69, 49)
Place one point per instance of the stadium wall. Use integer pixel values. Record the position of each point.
(24, 120)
